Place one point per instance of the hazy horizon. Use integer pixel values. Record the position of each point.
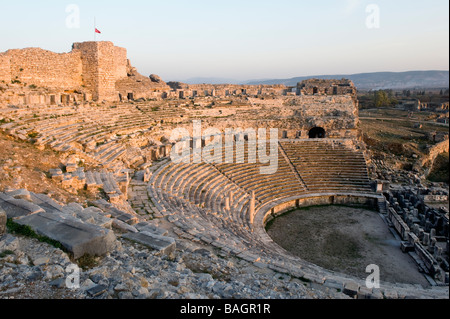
(242, 41)
(298, 76)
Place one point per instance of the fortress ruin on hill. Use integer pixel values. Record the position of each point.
(100, 71)
(91, 71)
(112, 128)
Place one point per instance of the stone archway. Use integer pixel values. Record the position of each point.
(317, 132)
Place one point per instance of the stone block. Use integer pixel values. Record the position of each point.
(97, 290)
(9, 242)
(20, 194)
(3, 218)
(123, 226)
(351, 289)
(335, 284)
(390, 294)
(364, 293)
(115, 213)
(93, 216)
(70, 168)
(77, 237)
(164, 245)
(16, 208)
(56, 174)
(144, 226)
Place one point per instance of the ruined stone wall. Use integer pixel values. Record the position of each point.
(135, 86)
(120, 62)
(5, 68)
(91, 67)
(42, 68)
(102, 65)
(326, 87)
(224, 90)
(88, 51)
(106, 71)
(442, 147)
(293, 116)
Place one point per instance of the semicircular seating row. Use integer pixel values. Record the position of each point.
(210, 201)
(99, 132)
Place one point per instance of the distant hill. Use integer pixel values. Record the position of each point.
(378, 80)
(205, 80)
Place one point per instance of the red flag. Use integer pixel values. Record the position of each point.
(97, 31)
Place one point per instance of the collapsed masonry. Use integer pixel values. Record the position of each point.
(226, 206)
(80, 231)
(91, 71)
(422, 229)
(100, 71)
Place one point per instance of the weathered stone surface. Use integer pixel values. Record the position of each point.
(96, 290)
(351, 289)
(3, 218)
(16, 208)
(155, 78)
(116, 213)
(9, 242)
(123, 226)
(78, 238)
(146, 227)
(20, 194)
(165, 245)
(89, 216)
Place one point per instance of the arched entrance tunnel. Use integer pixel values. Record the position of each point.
(317, 132)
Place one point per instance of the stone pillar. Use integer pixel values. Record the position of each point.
(154, 154)
(379, 186)
(2, 222)
(162, 151)
(168, 149)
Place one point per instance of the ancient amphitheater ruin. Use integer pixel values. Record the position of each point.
(92, 107)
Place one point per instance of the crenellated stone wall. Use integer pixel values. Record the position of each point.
(35, 66)
(102, 65)
(91, 67)
(224, 90)
(326, 87)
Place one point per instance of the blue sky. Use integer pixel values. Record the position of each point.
(246, 39)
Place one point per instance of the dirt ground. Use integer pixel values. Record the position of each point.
(24, 166)
(345, 240)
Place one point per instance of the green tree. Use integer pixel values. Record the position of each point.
(384, 98)
(381, 99)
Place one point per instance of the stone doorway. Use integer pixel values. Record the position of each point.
(317, 132)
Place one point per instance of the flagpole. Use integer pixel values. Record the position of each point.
(95, 33)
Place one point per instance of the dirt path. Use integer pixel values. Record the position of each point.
(346, 240)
